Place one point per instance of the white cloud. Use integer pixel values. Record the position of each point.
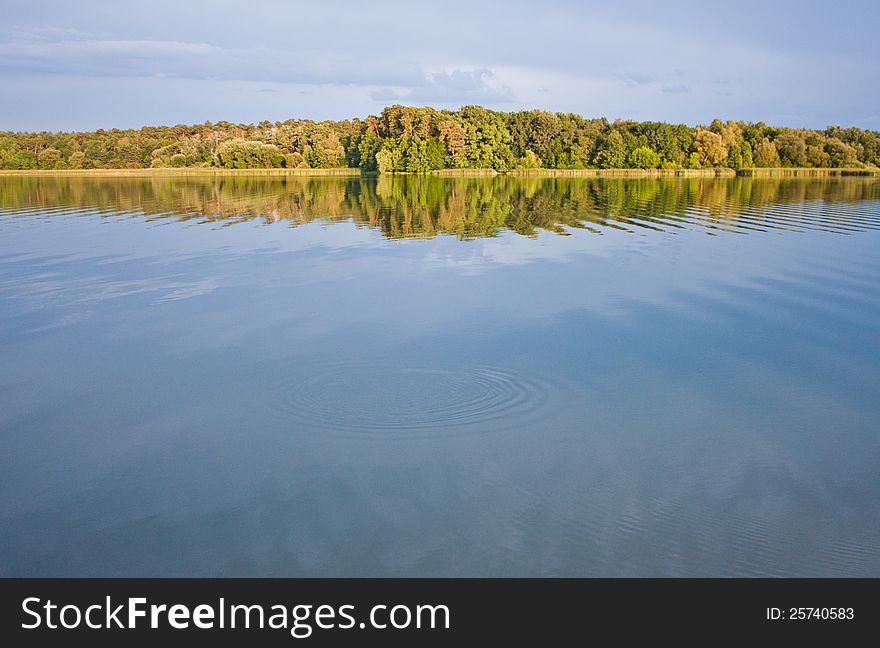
(630, 59)
(453, 87)
(76, 53)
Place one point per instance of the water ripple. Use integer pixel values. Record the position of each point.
(404, 401)
(467, 209)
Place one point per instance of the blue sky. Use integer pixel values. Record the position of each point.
(91, 64)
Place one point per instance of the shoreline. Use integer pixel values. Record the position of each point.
(806, 172)
(775, 172)
(182, 172)
(780, 172)
(625, 173)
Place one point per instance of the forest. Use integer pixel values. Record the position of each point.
(406, 139)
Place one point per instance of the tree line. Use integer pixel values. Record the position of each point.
(419, 140)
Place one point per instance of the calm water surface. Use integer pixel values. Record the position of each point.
(421, 376)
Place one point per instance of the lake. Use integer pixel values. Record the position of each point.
(425, 376)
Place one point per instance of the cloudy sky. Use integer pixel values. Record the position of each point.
(89, 64)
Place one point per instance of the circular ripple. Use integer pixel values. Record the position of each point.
(404, 401)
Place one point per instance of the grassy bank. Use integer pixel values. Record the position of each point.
(623, 173)
(805, 172)
(464, 172)
(550, 173)
(185, 172)
(781, 172)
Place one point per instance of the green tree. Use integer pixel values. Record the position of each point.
(529, 160)
(747, 159)
(612, 153)
(384, 162)
(792, 148)
(710, 146)
(367, 148)
(436, 154)
(76, 160)
(766, 154)
(487, 139)
(840, 153)
(248, 154)
(644, 158)
(50, 158)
